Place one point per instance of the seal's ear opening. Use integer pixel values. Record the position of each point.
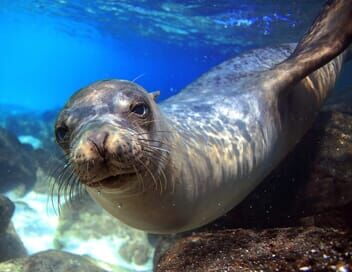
(154, 95)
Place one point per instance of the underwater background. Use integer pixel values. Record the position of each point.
(50, 49)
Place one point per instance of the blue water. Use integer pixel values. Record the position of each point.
(51, 49)
(42, 66)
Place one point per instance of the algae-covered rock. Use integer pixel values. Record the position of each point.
(287, 249)
(135, 252)
(50, 261)
(83, 224)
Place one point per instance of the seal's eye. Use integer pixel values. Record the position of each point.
(61, 133)
(140, 109)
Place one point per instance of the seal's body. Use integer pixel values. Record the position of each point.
(183, 164)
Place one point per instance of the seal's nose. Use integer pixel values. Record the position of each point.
(98, 140)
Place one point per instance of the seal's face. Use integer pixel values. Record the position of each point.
(106, 130)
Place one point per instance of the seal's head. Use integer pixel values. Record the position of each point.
(110, 134)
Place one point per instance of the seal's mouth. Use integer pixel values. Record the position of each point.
(112, 181)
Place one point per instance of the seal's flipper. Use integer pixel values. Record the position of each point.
(329, 36)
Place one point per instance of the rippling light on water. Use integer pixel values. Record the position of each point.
(53, 48)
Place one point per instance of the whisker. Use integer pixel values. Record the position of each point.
(160, 169)
(148, 170)
(158, 155)
(157, 131)
(157, 141)
(139, 178)
(138, 77)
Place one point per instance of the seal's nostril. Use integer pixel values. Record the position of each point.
(98, 140)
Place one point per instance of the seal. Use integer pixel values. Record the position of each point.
(178, 165)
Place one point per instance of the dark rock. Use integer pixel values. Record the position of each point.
(40, 127)
(312, 186)
(164, 243)
(7, 209)
(341, 100)
(50, 261)
(135, 252)
(287, 249)
(23, 124)
(11, 245)
(16, 163)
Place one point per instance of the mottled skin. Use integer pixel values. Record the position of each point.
(199, 153)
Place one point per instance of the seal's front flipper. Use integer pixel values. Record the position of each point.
(329, 36)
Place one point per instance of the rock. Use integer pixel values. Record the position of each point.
(17, 166)
(84, 222)
(11, 245)
(287, 249)
(23, 124)
(312, 186)
(38, 150)
(327, 196)
(7, 209)
(37, 131)
(51, 260)
(341, 100)
(32, 124)
(135, 252)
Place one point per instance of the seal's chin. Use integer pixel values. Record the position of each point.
(112, 182)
